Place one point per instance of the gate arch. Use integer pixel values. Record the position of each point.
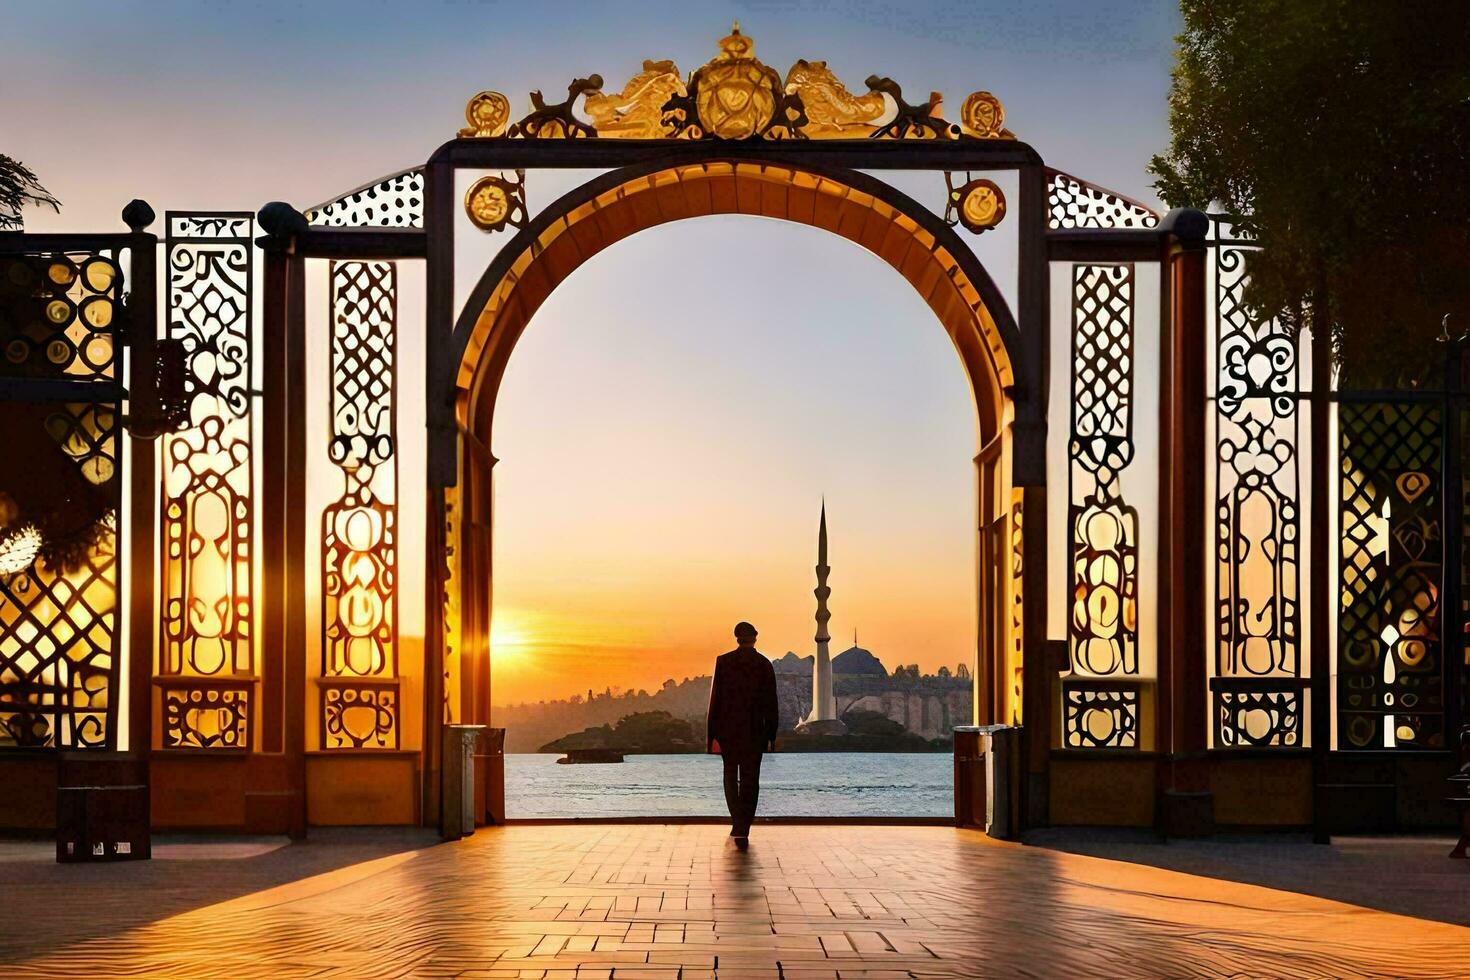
(858, 207)
(912, 240)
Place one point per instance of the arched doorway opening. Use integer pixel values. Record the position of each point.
(854, 206)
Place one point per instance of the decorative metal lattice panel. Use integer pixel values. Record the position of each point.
(1099, 715)
(207, 716)
(359, 530)
(58, 648)
(1251, 714)
(1390, 660)
(59, 610)
(1257, 517)
(1104, 529)
(393, 202)
(1016, 646)
(359, 715)
(60, 314)
(207, 582)
(1074, 203)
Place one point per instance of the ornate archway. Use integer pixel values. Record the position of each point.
(917, 244)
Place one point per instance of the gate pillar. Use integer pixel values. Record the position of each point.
(1185, 804)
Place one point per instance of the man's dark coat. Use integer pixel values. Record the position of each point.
(743, 714)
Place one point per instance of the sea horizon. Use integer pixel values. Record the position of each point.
(793, 784)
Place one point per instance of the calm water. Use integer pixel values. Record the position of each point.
(838, 784)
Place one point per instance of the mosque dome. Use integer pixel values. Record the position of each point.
(856, 660)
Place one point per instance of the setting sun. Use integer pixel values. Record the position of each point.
(513, 639)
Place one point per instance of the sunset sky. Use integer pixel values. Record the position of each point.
(674, 415)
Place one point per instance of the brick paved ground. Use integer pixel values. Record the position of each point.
(623, 901)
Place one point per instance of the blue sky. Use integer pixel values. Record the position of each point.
(237, 103)
(665, 439)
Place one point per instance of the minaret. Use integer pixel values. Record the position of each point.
(824, 705)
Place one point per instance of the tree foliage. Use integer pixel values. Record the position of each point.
(19, 188)
(1340, 131)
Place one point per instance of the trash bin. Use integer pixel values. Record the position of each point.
(969, 777)
(457, 781)
(101, 808)
(490, 776)
(1003, 781)
(987, 778)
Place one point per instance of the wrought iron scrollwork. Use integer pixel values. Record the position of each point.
(912, 121)
(1257, 687)
(1391, 665)
(1103, 528)
(360, 529)
(558, 121)
(207, 583)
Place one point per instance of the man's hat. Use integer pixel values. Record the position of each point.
(744, 631)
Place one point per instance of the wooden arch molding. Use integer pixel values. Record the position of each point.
(911, 239)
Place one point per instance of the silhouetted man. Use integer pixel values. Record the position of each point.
(742, 723)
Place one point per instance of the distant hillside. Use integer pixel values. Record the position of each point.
(646, 732)
(530, 726)
(927, 705)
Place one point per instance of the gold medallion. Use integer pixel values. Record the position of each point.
(981, 205)
(983, 117)
(488, 203)
(487, 114)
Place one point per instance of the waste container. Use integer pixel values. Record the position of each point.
(987, 778)
(101, 807)
(490, 776)
(969, 777)
(457, 781)
(1003, 781)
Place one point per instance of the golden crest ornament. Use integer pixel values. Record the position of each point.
(735, 97)
(737, 94)
(487, 113)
